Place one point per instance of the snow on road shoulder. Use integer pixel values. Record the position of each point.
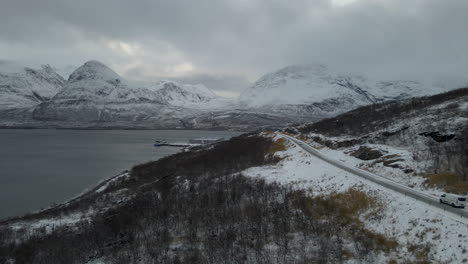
(300, 168)
(404, 160)
(408, 220)
(396, 164)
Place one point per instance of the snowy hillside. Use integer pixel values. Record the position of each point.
(98, 83)
(188, 95)
(419, 142)
(440, 236)
(95, 93)
(318, 86)
(28, 87)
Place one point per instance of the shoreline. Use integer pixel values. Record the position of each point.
(96, 184)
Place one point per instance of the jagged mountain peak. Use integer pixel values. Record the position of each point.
(93, 70)
(26, 87)
(46, 73)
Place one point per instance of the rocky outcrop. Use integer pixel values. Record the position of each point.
(437, 136)
(366, 153)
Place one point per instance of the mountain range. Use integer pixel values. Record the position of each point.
(94, 96)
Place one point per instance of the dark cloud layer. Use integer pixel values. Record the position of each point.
(144, 39)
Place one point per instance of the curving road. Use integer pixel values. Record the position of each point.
(405, 190)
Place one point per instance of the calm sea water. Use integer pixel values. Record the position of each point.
(42, 167)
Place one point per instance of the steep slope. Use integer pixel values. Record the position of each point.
(28, 87)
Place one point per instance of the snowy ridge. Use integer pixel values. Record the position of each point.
(95, 93)
(28, 87)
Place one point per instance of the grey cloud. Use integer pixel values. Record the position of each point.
(388, 39)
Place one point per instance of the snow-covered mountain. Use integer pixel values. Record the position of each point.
(28, 87)
(96, 95)
(327, 92)
(188, 95)
(96, 82)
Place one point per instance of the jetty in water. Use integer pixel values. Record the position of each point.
(192, 142)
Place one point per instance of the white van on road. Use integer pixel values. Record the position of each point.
(453, 200)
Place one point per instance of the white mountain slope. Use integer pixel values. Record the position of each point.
(95, 93)
(96, 82)
(28, 87)
(329, 91)
(188, 95)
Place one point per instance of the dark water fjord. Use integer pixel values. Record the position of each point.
(43, 166)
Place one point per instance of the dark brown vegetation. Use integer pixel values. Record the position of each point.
(370, 118)
(196, 208)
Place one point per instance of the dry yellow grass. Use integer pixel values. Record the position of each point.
(301, 137)
(421, 252)
(450, 182)
(345, 209)
(278, 145)
(458, 188)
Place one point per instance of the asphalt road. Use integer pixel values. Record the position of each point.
(405, 190)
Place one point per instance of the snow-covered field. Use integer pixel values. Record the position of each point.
(411, 179)
(403, 156)
(409, 221)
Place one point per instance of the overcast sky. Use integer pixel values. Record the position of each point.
(241, 39)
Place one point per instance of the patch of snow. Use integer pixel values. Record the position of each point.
(104, 186)
(49, 224)
(406, 219)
